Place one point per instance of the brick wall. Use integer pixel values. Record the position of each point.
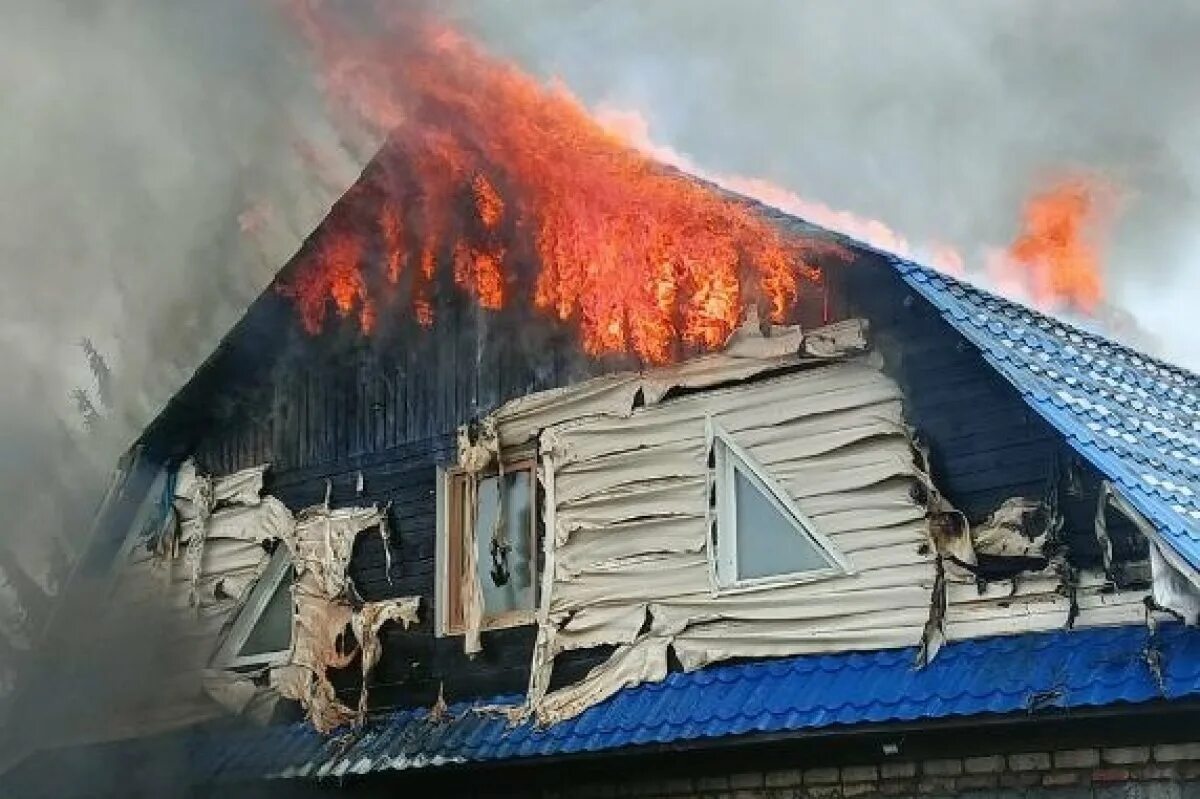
(1166, 771)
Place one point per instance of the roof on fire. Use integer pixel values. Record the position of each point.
(1015, 675)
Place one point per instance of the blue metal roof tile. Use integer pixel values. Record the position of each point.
(1132, 417)
(1000, 675)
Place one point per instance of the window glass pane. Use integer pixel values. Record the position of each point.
(769, 542)
(273, 630)
(517, 592)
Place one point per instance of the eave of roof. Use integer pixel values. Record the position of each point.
(979, 678)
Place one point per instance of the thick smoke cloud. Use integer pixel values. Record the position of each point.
(153, 178)
(137, 134)
(934, 116)
(141, 131)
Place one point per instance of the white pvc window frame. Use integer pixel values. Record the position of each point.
(728, 457)
(228, 655)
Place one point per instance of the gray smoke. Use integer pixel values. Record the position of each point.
(138, 135)
(153, 175)
(937, 117)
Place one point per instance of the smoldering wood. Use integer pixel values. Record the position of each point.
(334, 406)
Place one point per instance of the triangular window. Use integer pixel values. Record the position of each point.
(759, 536)
(262, 633)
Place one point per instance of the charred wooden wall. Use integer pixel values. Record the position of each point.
(330, 408)
(326, 410)
(986, 443)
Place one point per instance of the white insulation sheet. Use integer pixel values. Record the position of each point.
(629, 521)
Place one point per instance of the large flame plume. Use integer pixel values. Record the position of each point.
(486, 169)
(633, 127)
(1055, 263)
(1057, 255)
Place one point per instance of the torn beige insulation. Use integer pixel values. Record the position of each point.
(1171, 588)
(478, 449)
(320, 545)
(366, 623)
(327, 632)
(192, 581)
(629, 527)
(1030, 601)
(1034, 599)
(203, 571)
(626, 483)
(1101, 525)
(1175, 584)
(1010, 530)
(749, 352)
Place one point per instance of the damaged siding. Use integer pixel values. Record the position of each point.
(627, 478)
(189, 578)
(631, 514)
(987, 447)
(199, 567)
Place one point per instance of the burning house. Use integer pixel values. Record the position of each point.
(545, 469)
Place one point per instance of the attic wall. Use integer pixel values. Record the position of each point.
(339, 397)
(415, 664)
(338, 407)
(332, 412)
(986, 446)
(986, 443)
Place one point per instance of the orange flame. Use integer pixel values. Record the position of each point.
(339, 279)
(490, 169)
(1058, 251)
(391, 228)
(633, 127)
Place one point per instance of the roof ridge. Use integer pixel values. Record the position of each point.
(905, 262)
(1072, 326)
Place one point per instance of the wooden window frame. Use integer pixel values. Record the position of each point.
(451, 507)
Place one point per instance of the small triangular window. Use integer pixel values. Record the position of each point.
(759, 535)
(262, 633)
(272, 632)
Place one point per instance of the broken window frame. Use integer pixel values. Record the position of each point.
(727, 458)
(151, 516)
(451, 484)
(228, 654)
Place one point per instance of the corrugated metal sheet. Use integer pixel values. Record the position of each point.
(1136, 419)
(987, 676)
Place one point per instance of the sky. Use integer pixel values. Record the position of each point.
(141, 132)
(934, 116)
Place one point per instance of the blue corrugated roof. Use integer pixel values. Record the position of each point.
(986, 676)
(1136, 419)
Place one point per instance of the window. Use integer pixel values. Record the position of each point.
(153, 512)
(759, 535)
(262, 633)
(504, 523)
